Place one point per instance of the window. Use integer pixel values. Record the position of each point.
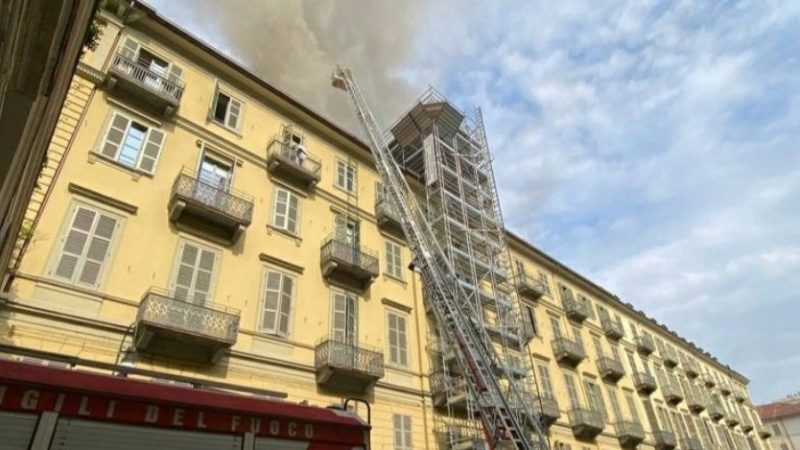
(598, 346)
(394, 260)
(776, 430)
(194, 274)
(545, 283)
(631, 361)
(595, 397)
(286, 210)
(576, 333)
(631, 400)
(344, 318)
(529, 316)
(402, 432)
(588, 303)
(85, 246)
(398, 337)
(572, 392)
(520, 268)
(132, 144)
(227, 110)
(566, 293)
(159, 74)
(612, 398)
(555, 326)
(346, 176)
(215, 171)
(277, 305)
(544, 381)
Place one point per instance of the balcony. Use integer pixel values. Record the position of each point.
(715, 412)
(586, 424)
(747, 427)
(576, 310)
(449, 392)
(348, 263)
(708, 381)
(221, 213)
(347, 367)
(144, 86)
(446, 355)
(464, 438)
(173, 328)
(724, 389)
(568, 352)
(764, 433)
(695, 402)
(670, 358)
(387, 214)
(672, 394)
(610, 369)
(691, 444)
(629, 433)
(612, 328)
(287, 162)
(739, 396)
(530, 287)
(664, 440)
(732, 421)
(645, 345)
(644, 383)
(547, 409)
(691, 369)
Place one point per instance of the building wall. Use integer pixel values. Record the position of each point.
(54, 317)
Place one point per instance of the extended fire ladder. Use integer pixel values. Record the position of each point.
(505, 412)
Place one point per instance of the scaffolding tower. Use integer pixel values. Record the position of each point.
(451, 217)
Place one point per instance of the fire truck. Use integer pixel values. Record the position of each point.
(53, 408)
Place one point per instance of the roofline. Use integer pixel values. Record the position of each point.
(358, 143)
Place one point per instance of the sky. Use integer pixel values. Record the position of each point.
(651, 146)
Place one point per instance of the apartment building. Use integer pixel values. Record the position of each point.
(203, 228)
(782, 420)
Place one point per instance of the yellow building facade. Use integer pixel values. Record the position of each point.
(179, 233)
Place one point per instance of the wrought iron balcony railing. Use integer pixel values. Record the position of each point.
(567, 351)
(177, 328)
(146, 78)
(691, 443)
(629, 433)
(672, 393)
(547, 408)
(530, 286)
(575, 309)
(348, 260)
(695, 402)
(715, 412)
(344, 365)
(610, 369)
(586, 423)
(291, 161)
(709, 381)
(664, 440)
(732, 420)
(644, 383)
(645, 344)
(226, 210)
(691, 368)
(670, 357)
(387, 215)
(612, 328)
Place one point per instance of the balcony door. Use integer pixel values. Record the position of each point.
(348, 233)
(214, 176)
(345, 314)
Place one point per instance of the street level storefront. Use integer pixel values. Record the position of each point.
(49, 408)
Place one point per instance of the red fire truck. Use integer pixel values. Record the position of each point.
(51, 408)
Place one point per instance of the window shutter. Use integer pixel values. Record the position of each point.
(130, 49)
(351, 319)
(339, 317)
(115, 135)
(393, 338)
(75, 242)
(402, 344)
(193, 279)
(152, 148)
(175, 74)
(407, 431)
(286, 305)
(291, 219)
(271, 298)
(99, 246)
(234, 113)
(281, 208)
(212, 105)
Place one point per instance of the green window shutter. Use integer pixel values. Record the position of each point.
(115, 135)
(152, 149)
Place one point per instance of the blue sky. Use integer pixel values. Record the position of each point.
(652, 146)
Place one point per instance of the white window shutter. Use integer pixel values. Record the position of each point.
(152, 148)
(194, 275)
(271, 300)
(98, 250)
(75, 242)
(115, 135)
(234, 113)
(292, 214)
(130, 49)
(280, 218)
(213, 103)
(287, 292)
(175, 74)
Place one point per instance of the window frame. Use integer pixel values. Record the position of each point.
(58, 246)
(103, 140)
(276, 331)
(405, 431)
(231, 99)
(332, 320)
(177, 262)
(399, 315)
(347, 165)
(290, 194)
(397, 252)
